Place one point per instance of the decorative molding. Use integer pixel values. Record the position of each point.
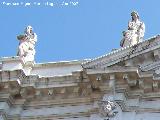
(123, 54)
(129, 81)
(150, 66)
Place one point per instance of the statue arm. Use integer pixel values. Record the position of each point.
(141, 30)
(129, 25)
(35, 37)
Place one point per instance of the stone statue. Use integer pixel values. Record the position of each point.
(26, 49)
(135, 31)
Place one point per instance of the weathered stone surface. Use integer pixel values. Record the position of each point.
(126, 83)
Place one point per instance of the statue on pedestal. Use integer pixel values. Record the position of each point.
(26, 49)
(135, 31)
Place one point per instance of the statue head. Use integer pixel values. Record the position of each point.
(29, 30)
(134, 15)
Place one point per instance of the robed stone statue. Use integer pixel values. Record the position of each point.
(135, 32)
(26, 49)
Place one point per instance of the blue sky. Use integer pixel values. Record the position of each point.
(87, 30)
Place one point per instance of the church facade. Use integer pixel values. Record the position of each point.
(121, 85)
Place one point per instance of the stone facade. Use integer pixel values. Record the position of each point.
(73, 90)
(121, 85)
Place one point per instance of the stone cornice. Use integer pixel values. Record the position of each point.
(9, 58)
(112, 70)
(123, 54)
(150, 66)
(60, 63)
